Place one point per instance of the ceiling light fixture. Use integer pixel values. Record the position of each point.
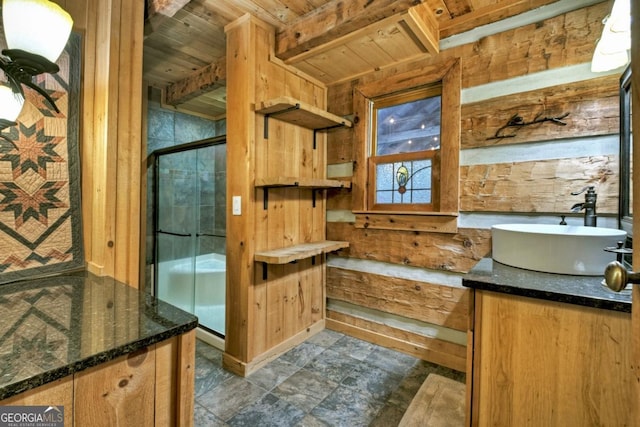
(612, 50)
(36, 32)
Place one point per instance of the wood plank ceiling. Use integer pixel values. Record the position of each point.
(331, 40)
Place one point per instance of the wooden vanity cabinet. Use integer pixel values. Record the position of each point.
(153, 386)
(535, 362)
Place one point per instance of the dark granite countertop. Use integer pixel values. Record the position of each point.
(54, 327)
(581, 290)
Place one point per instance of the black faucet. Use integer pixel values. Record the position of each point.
(589, 205)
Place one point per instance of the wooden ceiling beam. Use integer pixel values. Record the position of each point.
(202, 81)
(158, 11)
(334, 20)
(165, 7)
(488, 14)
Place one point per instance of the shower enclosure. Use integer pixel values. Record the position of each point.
(189, 229)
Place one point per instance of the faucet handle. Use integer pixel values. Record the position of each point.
(589, 187)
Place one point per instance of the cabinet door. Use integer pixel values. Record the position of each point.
(546, 363)
(117, 393)
(57, 393)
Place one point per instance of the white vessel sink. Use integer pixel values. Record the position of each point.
(563, 249)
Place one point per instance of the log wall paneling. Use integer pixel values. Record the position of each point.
(519, 187)
(593, 107)
(427, 302)
(539, 186)
(438, 251)
(435, 350)
(568, 39)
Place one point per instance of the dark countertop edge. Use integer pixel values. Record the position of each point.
(92, 361)
(585, 301)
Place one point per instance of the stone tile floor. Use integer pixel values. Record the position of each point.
(329, 380)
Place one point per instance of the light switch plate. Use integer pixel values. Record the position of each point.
(236, 205)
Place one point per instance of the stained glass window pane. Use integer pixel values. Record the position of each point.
(417, 188)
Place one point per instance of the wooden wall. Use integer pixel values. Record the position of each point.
(266, 316)
(111, 133)
(403, 289)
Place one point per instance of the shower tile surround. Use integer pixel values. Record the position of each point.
(166, 128)
(329, 380)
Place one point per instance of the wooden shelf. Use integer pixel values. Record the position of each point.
(285, 181)
(297, 112)
(298, 252)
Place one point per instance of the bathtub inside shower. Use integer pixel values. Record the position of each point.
(196, 285)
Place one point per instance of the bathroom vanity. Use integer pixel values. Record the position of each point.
(546, 349)
(107, 353)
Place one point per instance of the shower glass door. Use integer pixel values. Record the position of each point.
(190, 223)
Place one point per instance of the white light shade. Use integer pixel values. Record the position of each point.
(612, 50)
(10, 104)
(37, 26)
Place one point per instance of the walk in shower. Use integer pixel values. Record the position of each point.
(189, 229)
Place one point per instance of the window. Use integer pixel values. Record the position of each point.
(407, 149)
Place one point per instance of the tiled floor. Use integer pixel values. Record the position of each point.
(329, 380)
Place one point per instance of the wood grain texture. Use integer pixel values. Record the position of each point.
(240, 126)
(441, 223)
(428, 302)
(184, 364)
(539, 186)
(433, 350)
(438, 402)
(548, 363)
(291, 110)
(117, 393)
(299, 251)
(198, 83)
(334, 20)
(439, 251)
(166, 387)
(593, 108)
(111, 147)
(57, 393)
(269, 314)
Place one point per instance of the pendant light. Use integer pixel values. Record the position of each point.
(36, 32)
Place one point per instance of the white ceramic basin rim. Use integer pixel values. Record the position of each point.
(549, 248)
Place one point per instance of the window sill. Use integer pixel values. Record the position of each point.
(434, 222)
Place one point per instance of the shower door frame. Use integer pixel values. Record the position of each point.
(155, 158)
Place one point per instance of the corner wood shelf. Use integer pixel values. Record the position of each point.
(311, 183)
(297, 112)
(296, 252)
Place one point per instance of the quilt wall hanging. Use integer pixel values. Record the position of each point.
(40, 210)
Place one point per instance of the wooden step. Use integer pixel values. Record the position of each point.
(440, 402)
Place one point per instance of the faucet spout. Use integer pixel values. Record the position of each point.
(577, 207)
(589, 206)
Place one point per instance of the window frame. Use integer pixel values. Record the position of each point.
(448, 74)
(434, 155)
(390, 100)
